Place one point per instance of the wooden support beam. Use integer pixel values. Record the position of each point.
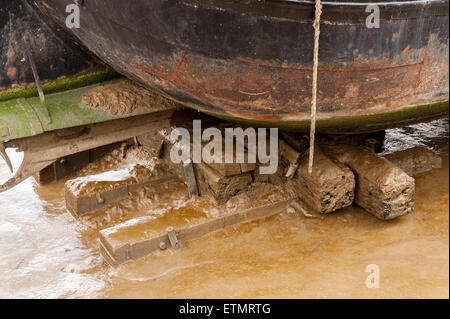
(382, 188)
(229, 169)
(63, 167)
(225, 169)
(221, 181)
(329, 187)
(415, 160)
(153, 143)
(287, 152)
(87, 194)
(221, 188)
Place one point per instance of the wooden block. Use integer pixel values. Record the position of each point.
(329, 187)
(220, 187)
(220, 180)
(226, 169)
(222, 168)
(175, 169)
(276, 178)
(90, 193)
(229, 169)
(382, 188)
(62, 168)
(153, 143)
(248, 167)
(415, 160)
(209, 181)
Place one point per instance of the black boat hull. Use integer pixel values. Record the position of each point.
(252, 60)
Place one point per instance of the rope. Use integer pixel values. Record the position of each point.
(312, 133)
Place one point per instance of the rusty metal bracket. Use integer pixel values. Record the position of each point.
(172, 234)
(44, 149)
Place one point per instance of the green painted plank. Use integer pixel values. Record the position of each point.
(28, 117)
(60, 85)
(18, 120)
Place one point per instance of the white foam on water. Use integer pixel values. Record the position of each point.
(41, 254)
(109, 176)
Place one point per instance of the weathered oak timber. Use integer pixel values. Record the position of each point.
(382, 188)
(415, 160)
(276, 178)
(220, 187)
(329, 187)
(84, 195)
(62, 168)
(214, 180)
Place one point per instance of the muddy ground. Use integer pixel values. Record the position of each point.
(46, 253)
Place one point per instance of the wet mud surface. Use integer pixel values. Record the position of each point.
(46, 253)
(123, 97)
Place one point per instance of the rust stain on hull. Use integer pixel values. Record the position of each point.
(247, 63)
(254, 90)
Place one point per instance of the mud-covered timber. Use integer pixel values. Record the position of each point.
(382, 188)
(252, 60)
(329, 187)
(415, 160)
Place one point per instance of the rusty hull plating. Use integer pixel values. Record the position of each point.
(252, 60)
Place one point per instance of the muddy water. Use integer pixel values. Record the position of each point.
(46, 253)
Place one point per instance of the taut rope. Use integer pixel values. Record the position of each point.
(316, 25)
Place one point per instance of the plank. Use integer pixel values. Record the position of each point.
(415, 160)
(131, 241)
(382, 188)
(330, 186)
